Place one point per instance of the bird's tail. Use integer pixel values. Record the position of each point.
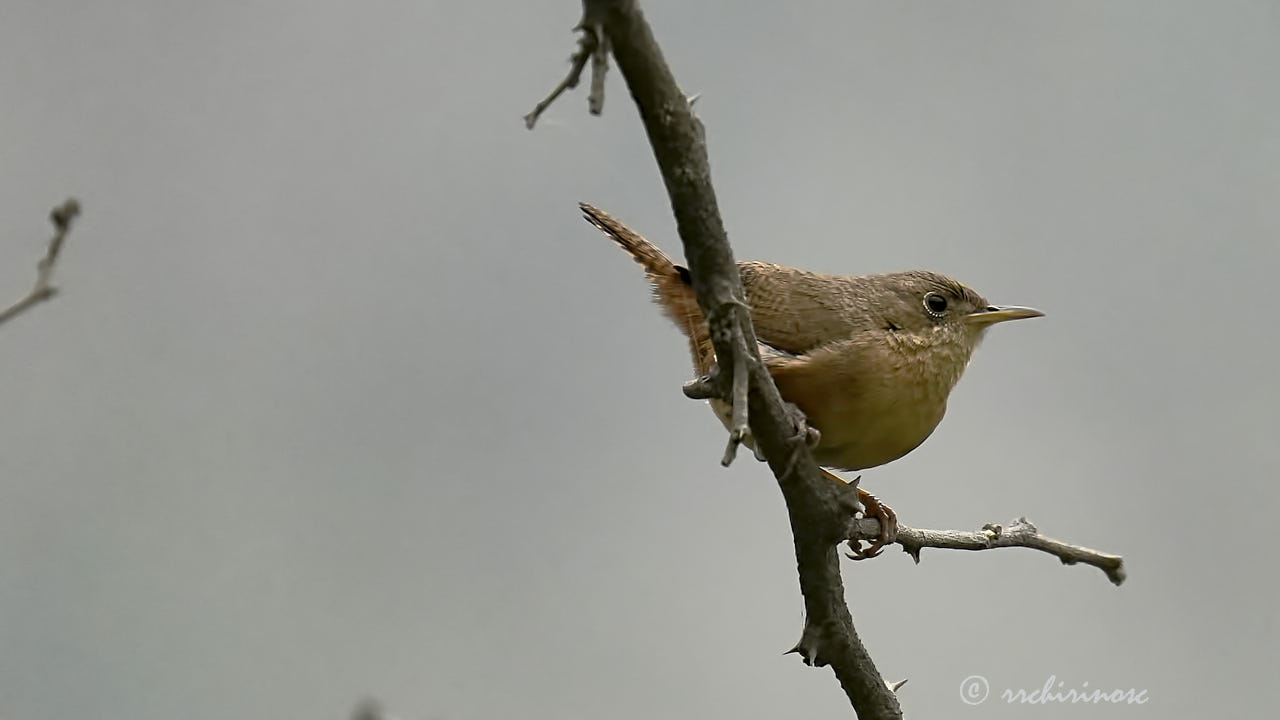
(672, 289)
(654, 261)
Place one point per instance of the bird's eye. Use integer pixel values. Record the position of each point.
(935, 304)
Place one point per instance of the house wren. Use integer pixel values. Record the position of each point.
(869, 360)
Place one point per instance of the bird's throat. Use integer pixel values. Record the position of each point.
(925, 366)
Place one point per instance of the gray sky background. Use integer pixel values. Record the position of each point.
(343, 398)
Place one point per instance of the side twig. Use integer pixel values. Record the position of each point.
(62, 216)
(593, 46)
(1019, 533)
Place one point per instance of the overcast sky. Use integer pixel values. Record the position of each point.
(342, 398)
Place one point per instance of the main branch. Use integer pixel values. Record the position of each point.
(818, 509)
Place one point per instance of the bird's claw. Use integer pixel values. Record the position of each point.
(888, 527)
(804, 431)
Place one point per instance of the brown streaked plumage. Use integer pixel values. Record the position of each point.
(869, 359)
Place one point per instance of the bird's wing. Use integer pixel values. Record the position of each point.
(796, 311)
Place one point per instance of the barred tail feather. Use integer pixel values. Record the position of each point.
(672, 289)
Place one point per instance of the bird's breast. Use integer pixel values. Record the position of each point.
(873, 400)
(879, 424)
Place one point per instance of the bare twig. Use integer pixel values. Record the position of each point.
(593, 46)
(736, 391)
(62, 216)
(1020, 533)
(738, 431)
(599, 66)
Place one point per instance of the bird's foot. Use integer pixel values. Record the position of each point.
(804, 431)
(888, 527)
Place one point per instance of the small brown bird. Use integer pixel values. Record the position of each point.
(869, 360)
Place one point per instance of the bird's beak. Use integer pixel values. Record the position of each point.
(1000, 313)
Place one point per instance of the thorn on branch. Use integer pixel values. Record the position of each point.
(912, 550)
(849, 498)
(816, 643)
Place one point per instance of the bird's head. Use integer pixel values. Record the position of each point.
(928, 304)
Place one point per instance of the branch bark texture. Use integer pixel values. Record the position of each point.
(1019, 533)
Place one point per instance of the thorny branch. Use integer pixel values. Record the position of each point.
(817, 509)
(62, 216)
(820, 512)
